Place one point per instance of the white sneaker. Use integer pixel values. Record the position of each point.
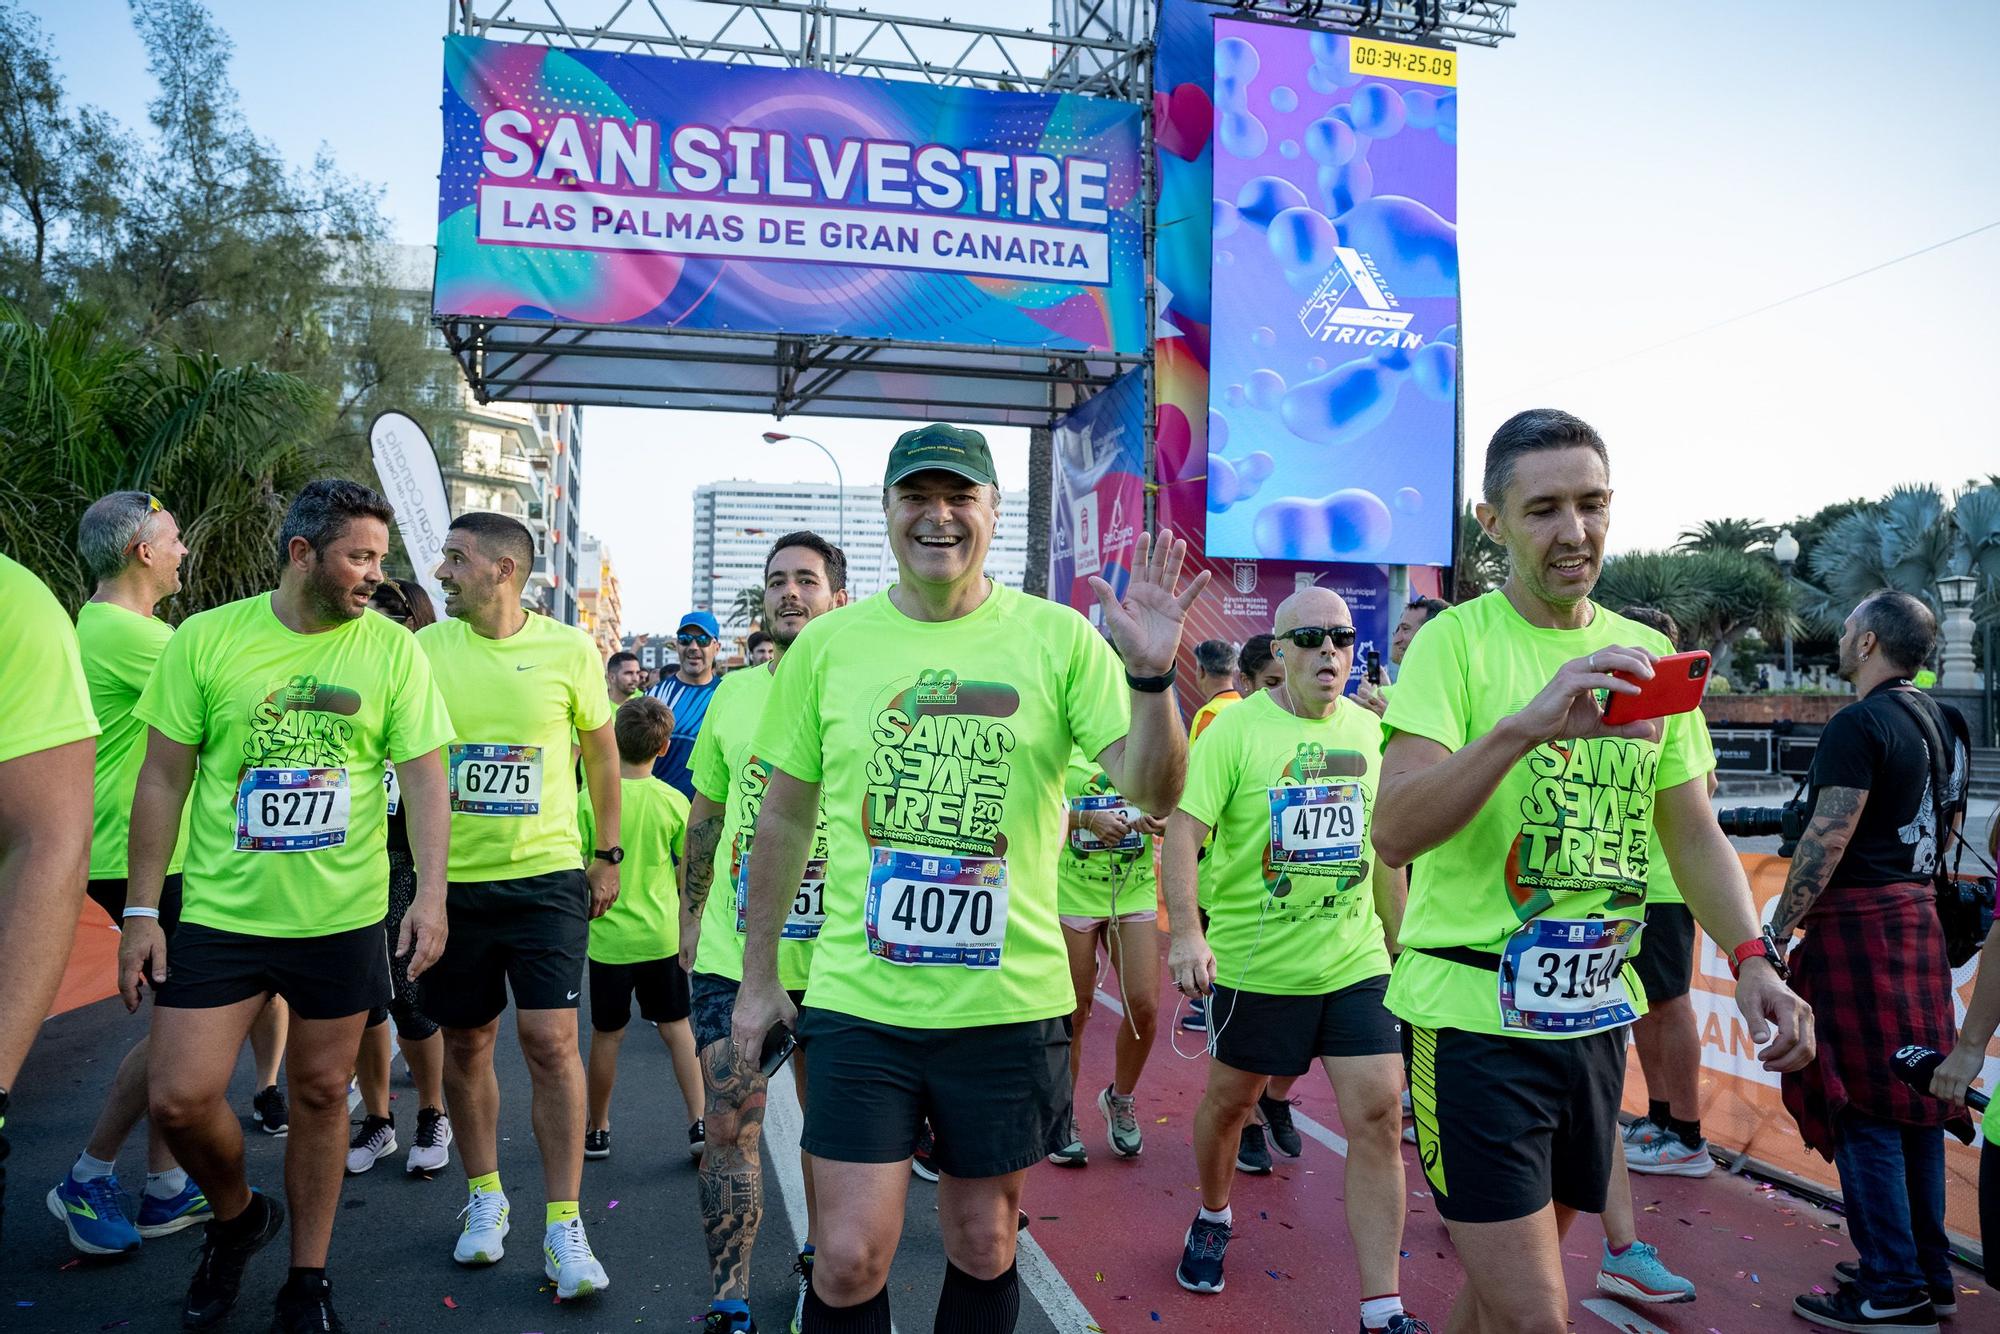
(432, 1149)
(485, 1216)
(1661, 1153)
(374, 1140)
(568, 1263)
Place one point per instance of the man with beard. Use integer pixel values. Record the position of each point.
(519, 688)
(622, 677)
(804, 576)
(291, 701)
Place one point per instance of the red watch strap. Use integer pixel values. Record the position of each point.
(1752, 948)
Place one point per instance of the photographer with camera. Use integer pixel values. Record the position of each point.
(1886, 789)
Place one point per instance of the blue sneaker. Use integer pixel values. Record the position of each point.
(1196, 1019)
(93, 1213)
(1200, 1269)
(1639, 1275)
(160, 1218)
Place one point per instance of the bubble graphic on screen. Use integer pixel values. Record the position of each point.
(1325, 48)
(1263, 336)
(1343, 405)
(1218, 432)
(1416, 249)
(1254, 467)
(1350, 524)
(1377, 110)
(1264, 197)
(1434, 369)
(1284, 100)
(1448, 334)
(1447, 118)
(1224, 220)
(1243, 135)
(1234, 396)
(1420, 109)
(1302, 239)
(1265, 389)
(1233, 55)
(1346, 185)
(1329, 142)
(1409, 500)
(1322, 80)
(1224, 258)
(1222, 484)
(1288, 149)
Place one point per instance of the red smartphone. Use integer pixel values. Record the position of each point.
(1677, 685)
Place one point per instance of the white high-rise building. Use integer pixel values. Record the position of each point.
(736, 522)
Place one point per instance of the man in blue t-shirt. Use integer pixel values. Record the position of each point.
(686, 693)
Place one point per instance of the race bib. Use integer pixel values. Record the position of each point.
(930, 909)
(496, 780)
(1087, 842)
(1564, 976)
(1317, 822)
(291, 810)
(808, 912)
(393, 786)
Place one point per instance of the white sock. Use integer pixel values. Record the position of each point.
(1222, 1216)
(165, 1185)
(89, 1169)
(1375, 1311)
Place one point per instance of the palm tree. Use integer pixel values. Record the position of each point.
(1716, 597)
(1481, 563)
(748, 609)
(1735, 535)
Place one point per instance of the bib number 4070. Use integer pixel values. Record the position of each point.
(943, 910)
(929, 909)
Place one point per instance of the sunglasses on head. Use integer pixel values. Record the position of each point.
(700, 638)
(1312, 636)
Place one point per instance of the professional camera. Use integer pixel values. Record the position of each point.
(1787, 822)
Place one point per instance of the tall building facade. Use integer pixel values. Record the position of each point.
(736, 522)
(599, 605)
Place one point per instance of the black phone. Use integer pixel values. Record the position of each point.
(778, 1047)
(1374, 668)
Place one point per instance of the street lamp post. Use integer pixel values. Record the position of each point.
(1786, 552)
(1960, 670)
(839, 485)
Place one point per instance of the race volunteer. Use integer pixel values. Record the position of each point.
(1294, 952)
(290, 702)
(805, 576)
(1108, 896)
(47, 748)
(132, 547)
(1530, 820)
(936, 720)
(519, 687)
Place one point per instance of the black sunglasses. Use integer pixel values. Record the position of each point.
(700, 638)
(1312, 636)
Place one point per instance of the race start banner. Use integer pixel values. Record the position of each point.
(615, 189)
(1100, 493)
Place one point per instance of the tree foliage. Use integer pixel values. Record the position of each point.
(1727, 535)
(1716, 597)
(1481, 563)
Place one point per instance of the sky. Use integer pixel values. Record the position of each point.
(1638, 184)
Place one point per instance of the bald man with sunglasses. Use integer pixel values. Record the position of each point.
(1294, 953)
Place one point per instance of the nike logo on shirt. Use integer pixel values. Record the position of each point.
(523, 666)
(571, 996)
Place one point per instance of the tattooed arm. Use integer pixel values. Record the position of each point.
(1836, 814)
(698, 871)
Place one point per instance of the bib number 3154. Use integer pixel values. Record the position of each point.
(1565, 976)
(926, 909)
(291, 810)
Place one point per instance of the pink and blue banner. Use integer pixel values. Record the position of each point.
(616, 189)
(1100, 492)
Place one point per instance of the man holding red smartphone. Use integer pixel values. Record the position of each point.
(1529, 820)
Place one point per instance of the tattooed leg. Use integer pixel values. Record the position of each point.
(732, 1170)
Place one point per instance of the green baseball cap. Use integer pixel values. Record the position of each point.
(955, 449)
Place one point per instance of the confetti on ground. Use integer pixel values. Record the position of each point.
(1818, 1289)
(1100, 1276)
(612, 1205)
(24, 1304)
(69, 1265)
(450, 1303)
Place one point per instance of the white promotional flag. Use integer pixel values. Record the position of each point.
(408, 469)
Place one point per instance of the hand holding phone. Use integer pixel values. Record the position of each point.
(1676, 686)
(779, 1044)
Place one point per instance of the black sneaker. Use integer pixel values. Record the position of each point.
(1846, 1309)
(597, 1143)
(225, 1249)
(1200, 1269)
(1277, 1115)
(268, 1110)
(305, 1306)
(1944, 1296)
(1251, 1155)
(697, 1140)
(1401, 1323)
(920, 1159)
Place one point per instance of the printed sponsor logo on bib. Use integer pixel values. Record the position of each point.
(291, 810)
(1085, 840)
(808, 910)
(1560, 976)
(496, 779)
(931, 909)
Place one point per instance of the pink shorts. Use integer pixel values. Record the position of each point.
(1092, 923)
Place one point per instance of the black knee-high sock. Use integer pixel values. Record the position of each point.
(871, 1317)
(971, 1305)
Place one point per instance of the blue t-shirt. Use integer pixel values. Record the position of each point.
(689, 705)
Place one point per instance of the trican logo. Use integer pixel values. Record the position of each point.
(1352, 304)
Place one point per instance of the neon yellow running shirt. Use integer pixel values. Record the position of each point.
(43, 696)
(1093, 880)
(644, 922)
(119, 649)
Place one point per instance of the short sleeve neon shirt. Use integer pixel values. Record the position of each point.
(42, 688)
(947, 740)
(250, 694)
(644, 922)
(119, 649)
(1660, 886)
(727, 770)
(1096, 881)
(1280, 924)
(1569, 831)
(515, 700)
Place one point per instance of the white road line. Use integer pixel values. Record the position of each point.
(1049, 1288)
(1620, 1318)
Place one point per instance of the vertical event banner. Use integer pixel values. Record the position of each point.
(406, 464)
(1334, 370)
(1099, 493)
(608, 188)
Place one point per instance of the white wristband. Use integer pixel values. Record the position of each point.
(153, 913)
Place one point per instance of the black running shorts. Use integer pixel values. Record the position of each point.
(1284, 1035)
(530, 935)
(1504, 1125)
(997, 1097)
(109, 894)
(660, 985)
(713, 1001)
(320, 977)
(1665, 961)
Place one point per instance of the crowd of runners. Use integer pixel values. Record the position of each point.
(895, 850)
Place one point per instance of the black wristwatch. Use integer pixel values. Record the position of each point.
(1151, 685)
(614, 855)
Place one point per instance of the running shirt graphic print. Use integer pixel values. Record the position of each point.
(1585, 824)
(939, 774)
